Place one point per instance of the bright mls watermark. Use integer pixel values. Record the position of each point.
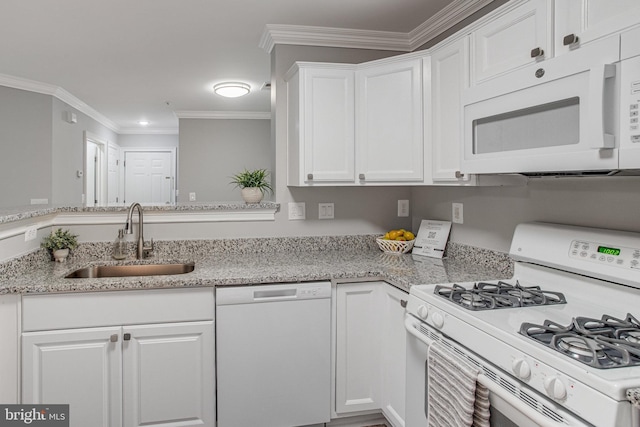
(34, 415)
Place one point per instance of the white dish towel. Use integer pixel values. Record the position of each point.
(456, 399)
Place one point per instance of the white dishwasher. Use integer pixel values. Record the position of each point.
(273, 355)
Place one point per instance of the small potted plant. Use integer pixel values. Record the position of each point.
(59, 242)
(253, 184)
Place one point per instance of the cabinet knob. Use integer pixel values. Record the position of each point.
(537, 52)
(310, 176)
(403, 303)
(539, 72)
(361, 176)
(113, 338)
(126, 336)
(570, 39)
(459, 175)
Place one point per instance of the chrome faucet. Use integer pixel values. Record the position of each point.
(142, 251)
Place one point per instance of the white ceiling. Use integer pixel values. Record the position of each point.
(127, 58)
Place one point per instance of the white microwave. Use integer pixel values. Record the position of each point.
(556, 116)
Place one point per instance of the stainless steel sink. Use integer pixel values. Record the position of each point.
(96, 271)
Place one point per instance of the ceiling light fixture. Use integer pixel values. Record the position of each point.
(143, 122)
(232, 89)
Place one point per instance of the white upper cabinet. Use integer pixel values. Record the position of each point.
(355, 124)
(579, 22)
(389, 140)
(513, 38)
(321, 134)
(443, 110)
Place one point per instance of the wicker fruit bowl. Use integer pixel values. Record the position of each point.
(395, 246)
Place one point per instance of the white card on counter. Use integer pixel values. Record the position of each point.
(432, 238)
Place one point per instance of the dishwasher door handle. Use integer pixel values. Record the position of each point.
(261, 295)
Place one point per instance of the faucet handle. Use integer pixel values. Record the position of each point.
(147, 250)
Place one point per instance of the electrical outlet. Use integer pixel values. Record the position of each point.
(456, 213)
(325, 210)
(30, 233)
(403, 208)
(297, 211)
(192, 197)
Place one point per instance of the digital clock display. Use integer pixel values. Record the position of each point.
(608, 251)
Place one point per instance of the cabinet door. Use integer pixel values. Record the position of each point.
(321, 133)
(357, 347)
(578, 22)
(449, 75)
(389, 139)
(81, 367)
(507, 42)
(168, 374)
(393, 345)
(9, 351)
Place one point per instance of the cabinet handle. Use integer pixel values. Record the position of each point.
(310, 176)
(459, 175)
(113, 338)
(361, 176)
(570, 39)
(403, 302)
(537, 52)
(126, 336)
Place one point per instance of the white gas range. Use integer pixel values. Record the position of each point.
(550, 349)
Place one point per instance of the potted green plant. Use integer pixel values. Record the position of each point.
(253, 183)
(59, 242)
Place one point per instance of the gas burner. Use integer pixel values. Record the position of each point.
(488, 296)
(602, 343)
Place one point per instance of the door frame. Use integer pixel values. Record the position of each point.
(174, 161)
(101, 169)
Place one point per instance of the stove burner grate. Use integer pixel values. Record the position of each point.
(489, 296)
(601, 343)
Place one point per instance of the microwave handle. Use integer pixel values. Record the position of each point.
(598, 138)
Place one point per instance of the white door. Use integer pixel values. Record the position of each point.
(148, 177)
(92, 174)
(81, 367)
(357, 347)
(168, 375)
(394, 341)
(113, 174)
(389, 138)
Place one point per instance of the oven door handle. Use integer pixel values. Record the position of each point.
(410, 325)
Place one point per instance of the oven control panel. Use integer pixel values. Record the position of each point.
(612, 255)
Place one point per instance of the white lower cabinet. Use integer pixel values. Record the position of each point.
(370, 349)
(393, 345)
(150, 374)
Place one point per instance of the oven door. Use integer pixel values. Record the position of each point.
(552, 117)
(508, 408)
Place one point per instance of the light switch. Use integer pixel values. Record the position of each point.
(325, 210)
(297, 211)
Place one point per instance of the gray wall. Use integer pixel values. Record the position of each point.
(213, 150)
(492, 213)
(25, 138)
(41, 151)
(148, 141)
(68, 151)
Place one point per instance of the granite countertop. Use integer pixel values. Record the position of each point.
(19, 213)
(257, 261)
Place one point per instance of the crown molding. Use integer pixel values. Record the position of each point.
(446, 18)
(145, 131)
(61, 94)
(332, 37)
(224, 115)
